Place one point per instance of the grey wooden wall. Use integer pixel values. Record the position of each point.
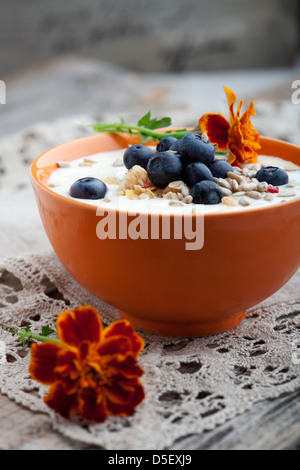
(151, 35)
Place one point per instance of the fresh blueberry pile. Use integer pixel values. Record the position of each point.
(190, 159)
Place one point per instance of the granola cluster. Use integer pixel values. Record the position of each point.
(137, 185)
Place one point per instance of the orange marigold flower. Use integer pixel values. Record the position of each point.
(237, 136)
(93, 372)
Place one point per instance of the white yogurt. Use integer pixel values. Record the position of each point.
(62, 178)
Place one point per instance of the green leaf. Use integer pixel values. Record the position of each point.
(158, 123)
(23, 333)
(122, 120)
(46, 331)
(144, 121)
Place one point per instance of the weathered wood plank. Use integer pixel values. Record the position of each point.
(270, 425)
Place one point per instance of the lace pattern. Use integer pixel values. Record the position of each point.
(192, 384)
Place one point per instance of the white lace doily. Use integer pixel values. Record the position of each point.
(191, 385)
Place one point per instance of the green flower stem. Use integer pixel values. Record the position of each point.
(122, 127)
(28, 334)
(136, 130)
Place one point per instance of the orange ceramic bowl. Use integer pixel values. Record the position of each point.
(158, 285)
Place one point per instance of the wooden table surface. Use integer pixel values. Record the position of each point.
(268, 425)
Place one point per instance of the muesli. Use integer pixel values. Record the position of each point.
(216, 165)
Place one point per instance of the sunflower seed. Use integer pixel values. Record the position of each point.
(263, 186)
(287, 193)
(254, 195)
(235, 176)
(238, 170)
(223, 183)
(240, 194)
(204, 137)
(63, 164)
(187, 199)
(244, 201)
(118, 162)
(226, 192)
(248, 186)
(176, 203)
(234, 184)
(268, 197)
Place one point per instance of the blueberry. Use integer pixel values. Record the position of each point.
(175, 146)
(220, 168)
(165, 143)
(88, 188)
(196, 172)
(137, 155)
(194, 149)
(273, 175)
(164, 168)
(206, 192)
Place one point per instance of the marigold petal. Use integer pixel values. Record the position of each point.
(61, 402)
(65, 363)
(216, 127)
(78, 325)
(248, 113)
(128, 367)
(115, 345)
(231, 98)
(232, 158)
(124, 328)
(239, 108)
(127, 409)
(92, 407)
(118, 394)
(43, 361)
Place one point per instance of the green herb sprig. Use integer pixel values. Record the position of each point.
(25, 334)
(145, 128)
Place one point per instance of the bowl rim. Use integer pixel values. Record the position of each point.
(267, 141)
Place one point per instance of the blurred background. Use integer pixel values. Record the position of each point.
(100, 57)
(151, 36)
